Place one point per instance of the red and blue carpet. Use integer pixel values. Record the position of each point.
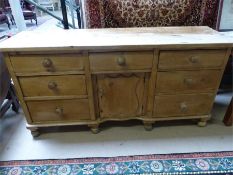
(192, 163)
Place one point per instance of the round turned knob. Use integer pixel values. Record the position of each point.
(121, 61)
(183, 107)
(47, 63)
(52, 85)
(59, 111)
(194, 59)
(188, 81)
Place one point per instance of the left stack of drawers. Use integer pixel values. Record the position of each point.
(53, 87)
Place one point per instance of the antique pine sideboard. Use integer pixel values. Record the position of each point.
(86, 77)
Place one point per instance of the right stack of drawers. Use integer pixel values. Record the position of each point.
(187, 81)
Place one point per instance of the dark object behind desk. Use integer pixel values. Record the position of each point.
(7, 93)
(226, 82)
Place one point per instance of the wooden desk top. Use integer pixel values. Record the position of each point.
(117, 38)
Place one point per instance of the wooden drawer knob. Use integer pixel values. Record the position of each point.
(194, 59)
(59, 111)
(188, 81)
(183, 107)
(47, 63)
(52, 85)
(121, 61)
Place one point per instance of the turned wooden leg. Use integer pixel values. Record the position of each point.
(148, 125)
(202, 122)
(35, 132)
(94, 128)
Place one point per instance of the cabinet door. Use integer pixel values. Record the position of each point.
(121, 95)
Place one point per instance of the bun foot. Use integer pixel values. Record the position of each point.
(148, 126)
(94, 129)
(202, 123)
(35, 132)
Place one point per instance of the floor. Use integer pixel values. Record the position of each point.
(30, 26)
(45, 22)
(118, 139)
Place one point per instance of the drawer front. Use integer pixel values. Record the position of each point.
(53, 85)
(191, 59)
(116, 61)
(47, 63)
(183, 105)
(59, 110)
(187, 81)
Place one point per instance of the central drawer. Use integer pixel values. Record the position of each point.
(59, 110)
(53, 85)
(187, 81)
(116, 61)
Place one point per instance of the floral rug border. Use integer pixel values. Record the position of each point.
(185, 163)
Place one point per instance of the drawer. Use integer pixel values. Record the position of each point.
(53, 85)
(191, 59)
(183, 105)
(187, 81)
(47, 63)
(59, 110)
(116, 61)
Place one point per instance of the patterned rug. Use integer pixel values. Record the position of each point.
(192, 163)
(150, 13)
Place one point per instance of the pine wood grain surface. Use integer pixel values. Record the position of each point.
(117, 38)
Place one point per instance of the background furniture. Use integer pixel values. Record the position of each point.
(150, 13)
(228, 119)
(28, 11)
(4, 18)
(48, 4)
(149, 74)
(10, 101)
(8, 11)
(4, 82)
(57, 4)
(227, 81)
(7, 93)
